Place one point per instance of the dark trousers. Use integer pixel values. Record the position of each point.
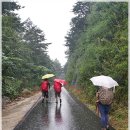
(45, 94)
(57, 94)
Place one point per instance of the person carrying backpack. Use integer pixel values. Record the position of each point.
(57, 89)
(45, 85)
(104, 100)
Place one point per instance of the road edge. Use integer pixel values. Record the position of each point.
(27, 113)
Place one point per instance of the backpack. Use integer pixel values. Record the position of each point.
(44, 86)
(106, 96)
(57, 87)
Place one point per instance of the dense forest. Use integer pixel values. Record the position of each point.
(24, 53)
(98, 45)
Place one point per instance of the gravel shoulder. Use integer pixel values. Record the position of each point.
(14, 112)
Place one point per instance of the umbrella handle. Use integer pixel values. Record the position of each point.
(114, 89)
(97, 110)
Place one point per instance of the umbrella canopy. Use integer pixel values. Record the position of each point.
(61, 81)
(48, 76)
(104, 81)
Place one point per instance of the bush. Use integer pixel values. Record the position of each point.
(26, 92)
(11, 87)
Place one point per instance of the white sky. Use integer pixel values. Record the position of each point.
(53, 17)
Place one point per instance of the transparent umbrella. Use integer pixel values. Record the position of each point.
(104, 81)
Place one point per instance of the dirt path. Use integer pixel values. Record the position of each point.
(14, 112)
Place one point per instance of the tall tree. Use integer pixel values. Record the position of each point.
(35, 37)
(81, 10)
(102, 48)
(24, 52)
(57, 67)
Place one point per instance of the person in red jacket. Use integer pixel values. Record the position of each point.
(45, 85)
(57, 89)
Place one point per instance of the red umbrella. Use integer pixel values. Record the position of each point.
(61, 81)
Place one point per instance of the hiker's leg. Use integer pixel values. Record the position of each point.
(107, 109)
(56, 96)
(46, 96)
(43, 96)
(103, 116)
(60, 97)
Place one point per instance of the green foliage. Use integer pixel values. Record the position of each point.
(24, 53)
(81, 9)
(57, 68)
(121, 96)
(100, 47)
(11, 87)
(7, 7)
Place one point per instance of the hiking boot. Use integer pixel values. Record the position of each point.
(43, 101)
(56, 101)
(107, 127)
(103, 129)
(60, 100)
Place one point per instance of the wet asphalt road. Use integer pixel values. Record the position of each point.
(67, 116)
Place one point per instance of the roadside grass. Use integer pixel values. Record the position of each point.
(118, 117)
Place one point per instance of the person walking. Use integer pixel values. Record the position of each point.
(45, 86)
(104, 100)
(57, 89)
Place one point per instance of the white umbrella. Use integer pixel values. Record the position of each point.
(104, 81)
